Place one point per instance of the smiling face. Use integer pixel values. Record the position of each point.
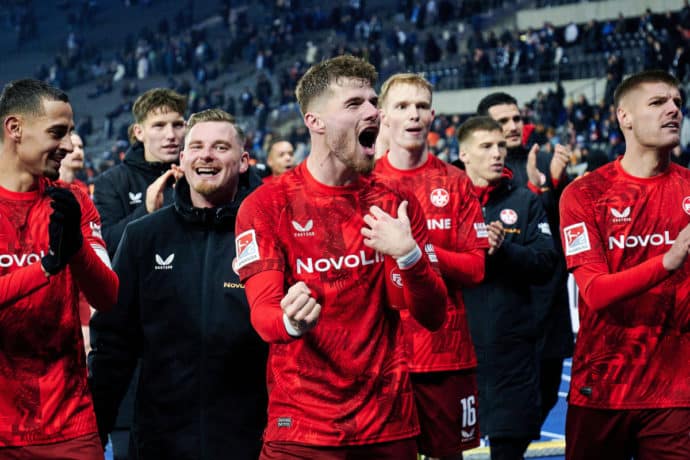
(407, 114)
(212, 160)
(162, 133)
(508, 116)
(650, 116)
(348, 119)
(44, 140)
(484, 153)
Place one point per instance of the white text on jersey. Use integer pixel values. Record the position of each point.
(633, 241)
(326, 264)
(438, 224)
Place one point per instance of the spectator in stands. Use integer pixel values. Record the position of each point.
(140, 186)
(191, 403)
(500, 310)
(545, 176)
(281, 157)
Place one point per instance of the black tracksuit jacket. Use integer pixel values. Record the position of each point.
(201, 392)
(503, 318)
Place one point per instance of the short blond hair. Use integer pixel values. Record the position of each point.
(215, 115)
(404, 79)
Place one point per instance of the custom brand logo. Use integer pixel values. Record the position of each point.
(19, 260)
(634, 241)
(576, 239)
(134, 198)
(439, 197)
(508, 216)
(164, 264)
(247, 248)
(480, 229)
(467, 434)
(325, 264)
(620, 217)
(438, 224)
(305, 230)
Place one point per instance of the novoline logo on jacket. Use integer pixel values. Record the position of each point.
(164, 264)
(135, 198)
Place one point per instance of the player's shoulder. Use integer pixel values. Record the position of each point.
(273, 193)
(150, 224)
(678, 170)
(595, 182)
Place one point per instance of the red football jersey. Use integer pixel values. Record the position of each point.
(454, 222)
(44, 397)
(345, 382)
(632, 354)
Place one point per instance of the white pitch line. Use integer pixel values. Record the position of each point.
(553, 435)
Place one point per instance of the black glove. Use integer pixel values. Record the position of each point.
(64, 229)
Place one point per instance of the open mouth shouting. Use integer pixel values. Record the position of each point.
(367, 139)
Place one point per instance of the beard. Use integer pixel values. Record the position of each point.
(345, 150)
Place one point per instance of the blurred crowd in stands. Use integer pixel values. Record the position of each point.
(444, 40)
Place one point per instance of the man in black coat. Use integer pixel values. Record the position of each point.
(503, 321)
(183, 312)
(543, 174)
(140, 186)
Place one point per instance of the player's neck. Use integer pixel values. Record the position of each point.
(13, 179)
(67, 175)
(328, 170)
(401, 158)
(642, 162)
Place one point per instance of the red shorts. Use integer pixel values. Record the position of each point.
(87, 447)
(447, 408)
(648, 434)
(404, 449)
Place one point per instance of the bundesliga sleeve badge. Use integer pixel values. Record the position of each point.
(247, 248)
(576, 239)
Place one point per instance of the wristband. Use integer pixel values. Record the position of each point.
(409, 259)
(288, 327)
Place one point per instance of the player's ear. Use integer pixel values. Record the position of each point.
(314, 122)
(624, 117)
(12, 127)
(138, 132)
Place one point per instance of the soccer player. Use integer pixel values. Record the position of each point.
(543, 174)
(501, 310)
(315, 248)
(138, 186)
(143, 182)
(281, 157)
(442, 363)
(626, 239)
(50, 249)
(182, 311)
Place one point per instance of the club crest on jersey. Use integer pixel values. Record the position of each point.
(480, 230)
(135, 198)
(620, 217)
(576, 239)
(164, 264)
(305, 230)
(686, 204)
(396, 278)
(439, 197)
(247, 248)
(508, 216)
